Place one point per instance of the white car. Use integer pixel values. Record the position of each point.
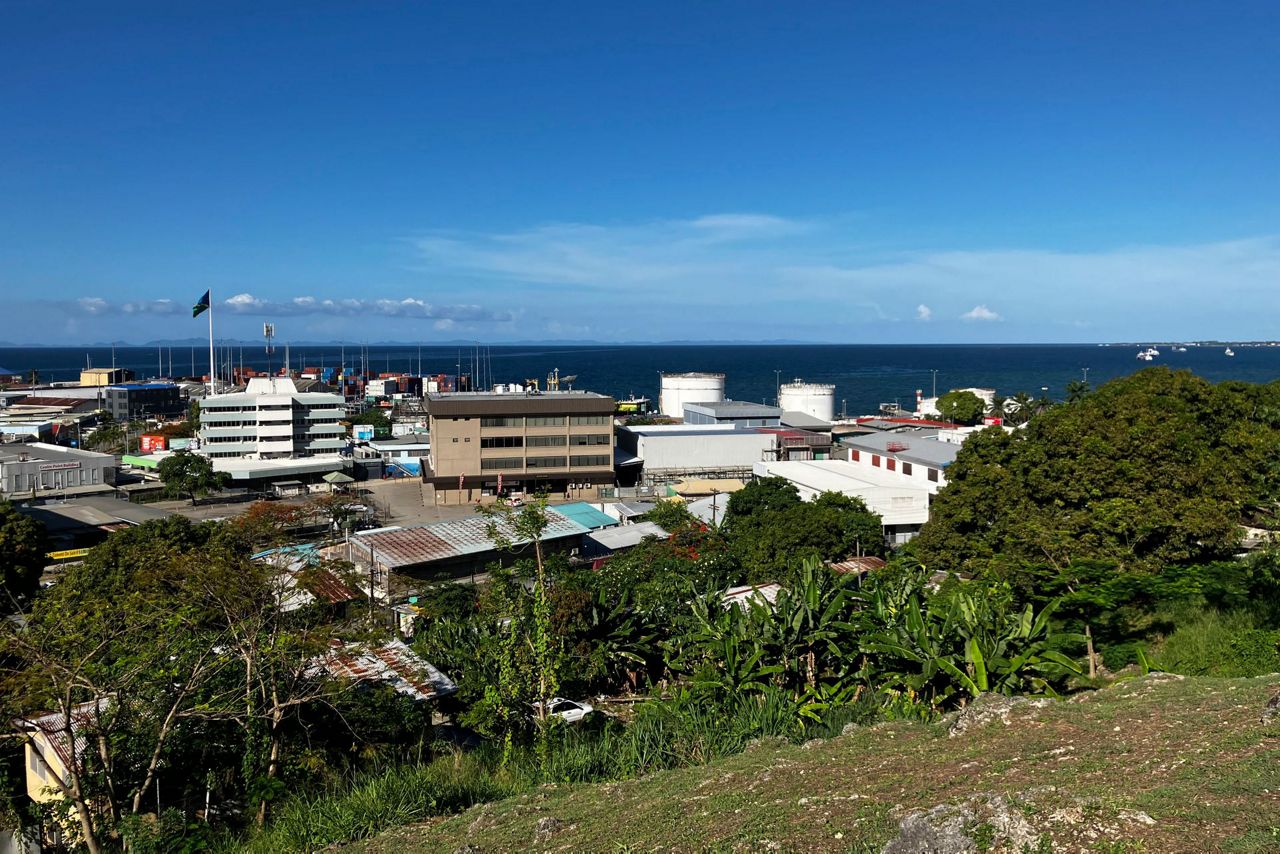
(567, 710)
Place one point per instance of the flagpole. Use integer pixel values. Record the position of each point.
(212, 386)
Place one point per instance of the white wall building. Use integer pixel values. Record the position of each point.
(903, 506)
(271, 420)
(905, 458)
(671, 452)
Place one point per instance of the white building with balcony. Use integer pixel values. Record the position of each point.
(271, 420)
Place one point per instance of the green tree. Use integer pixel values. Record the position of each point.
(512, 528)
(381, 423)
(1019, 408)
(761, 495)
(1153, 470)
(185, 473)
(961, 407)
(23, 544)
(772, 543)
(1077, 390)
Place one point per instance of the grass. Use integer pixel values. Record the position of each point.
(1153, 764)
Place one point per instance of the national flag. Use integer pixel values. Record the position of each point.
(201, 306)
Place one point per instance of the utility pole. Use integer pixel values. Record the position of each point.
(1085, 371)
(935, 384)
(777, 382)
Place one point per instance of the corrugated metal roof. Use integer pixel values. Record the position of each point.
(858, 565)
(444, 540)
(53, 726)
(627, 536)
(392, 663)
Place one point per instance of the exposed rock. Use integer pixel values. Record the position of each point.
(988, 708)
(956, 829)
(547, 827)
(764, 742)
(850, 728)
(1271, 711)
(469, 849)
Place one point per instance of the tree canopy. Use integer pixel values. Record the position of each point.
(1153, 469)
(185, 473)
(23, 545)
(961, 407)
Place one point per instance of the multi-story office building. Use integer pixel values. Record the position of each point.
(128, 401)
(271, 420)
(558, 442)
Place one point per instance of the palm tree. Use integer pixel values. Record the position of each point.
(1077, 390)
(1020, 407)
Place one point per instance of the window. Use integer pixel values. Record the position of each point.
(890, 463)
(501, 441)
(875, 460)
(545, 462)
(589, 420)
(594, 460)
(501, 463)
(545, 441)
(906, 468)
(590, 439)
(501, 421)
(545, 421)
(933, 475)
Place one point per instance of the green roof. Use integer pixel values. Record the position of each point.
(585, 515)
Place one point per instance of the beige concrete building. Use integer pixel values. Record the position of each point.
(517, 444)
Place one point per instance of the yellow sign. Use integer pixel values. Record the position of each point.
(67, 553)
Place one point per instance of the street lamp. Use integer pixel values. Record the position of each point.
(777, 379)
(935, 383)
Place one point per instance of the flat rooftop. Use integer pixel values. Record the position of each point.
(914, 449)
(49, 453)
(486, 396)
(735, 408)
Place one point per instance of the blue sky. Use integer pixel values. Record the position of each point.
(741, 170)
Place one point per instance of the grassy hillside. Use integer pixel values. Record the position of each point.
(1154, 764)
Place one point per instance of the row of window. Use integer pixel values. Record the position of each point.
(544, 420)
(891, 464)
(543, 441)
(574, 461)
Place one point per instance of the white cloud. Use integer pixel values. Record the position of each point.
(246, 304)
(979, 312)
(923, 312)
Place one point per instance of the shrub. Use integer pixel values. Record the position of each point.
(1215, 643)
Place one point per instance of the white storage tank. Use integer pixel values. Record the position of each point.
(692, 387)
(816, 399)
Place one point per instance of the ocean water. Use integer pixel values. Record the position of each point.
(864, 375)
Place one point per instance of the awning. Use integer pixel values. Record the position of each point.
(336, 477)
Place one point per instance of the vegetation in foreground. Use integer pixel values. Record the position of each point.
(1152, 764)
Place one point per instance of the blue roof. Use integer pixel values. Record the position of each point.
(305, 549)
(585, 515)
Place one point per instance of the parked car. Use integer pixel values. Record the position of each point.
(568, 710)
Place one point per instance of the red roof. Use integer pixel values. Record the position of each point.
(908, 422)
